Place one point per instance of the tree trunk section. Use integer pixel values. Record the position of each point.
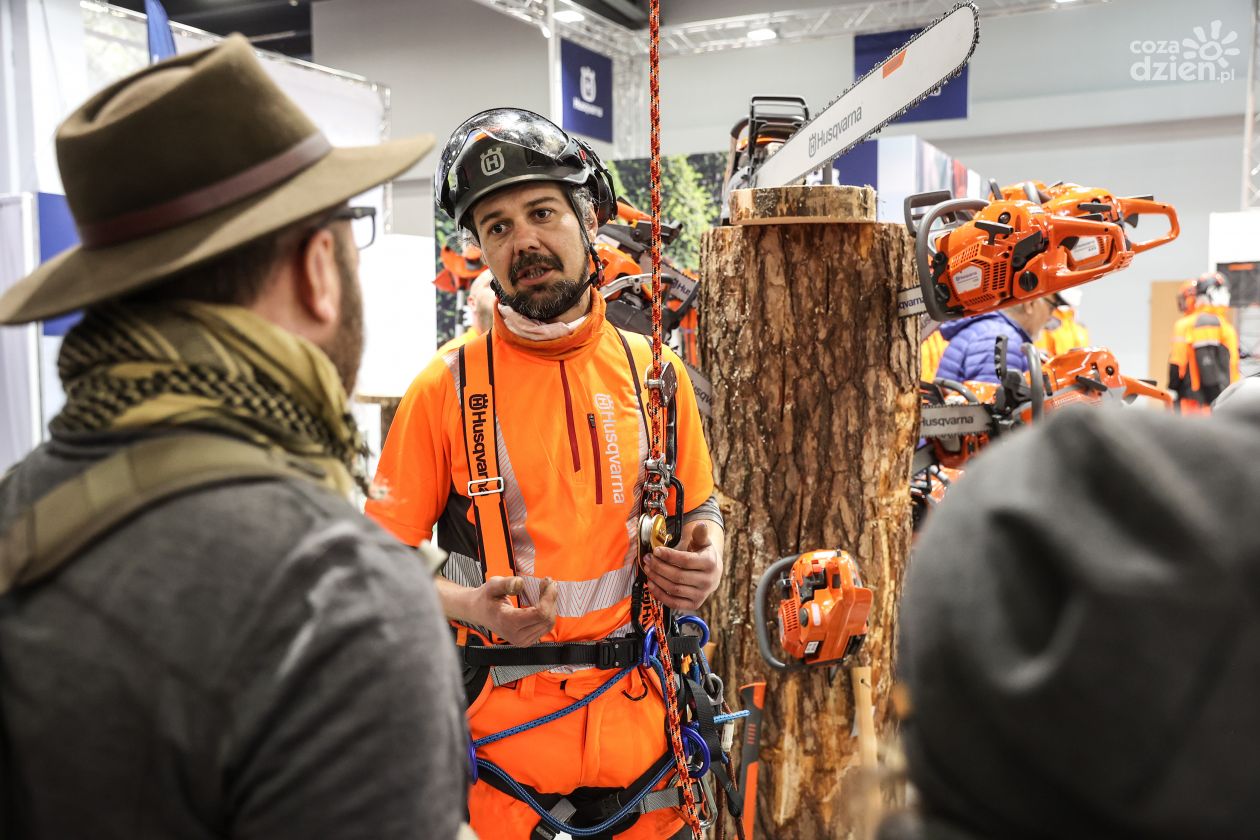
(815, 414)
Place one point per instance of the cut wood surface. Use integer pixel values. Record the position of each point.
(799, 205)
(815, 413)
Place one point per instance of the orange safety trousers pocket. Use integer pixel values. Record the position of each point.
(608, 743)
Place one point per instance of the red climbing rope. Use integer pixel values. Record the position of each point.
(653, 612)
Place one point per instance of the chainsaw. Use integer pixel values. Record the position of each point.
(460, 267)
(779, 144)
(771, 121)
(1092, 375)
(820, 610)
(623, 249)
(959, 419)
(1028, 241)
(1064, 199)
(1003, 252)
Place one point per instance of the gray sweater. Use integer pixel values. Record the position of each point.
(251, 661)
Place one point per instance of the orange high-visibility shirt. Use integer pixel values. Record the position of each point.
(1068, 335)
(573, 445)
(458, 341)
(1204, 326)
(930, 352)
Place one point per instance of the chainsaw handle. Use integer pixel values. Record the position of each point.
(923, 251)
(1036, 382)
(1066, 227)
(958, 388)
(1143, 207)
(768, 577)
(1138, 388)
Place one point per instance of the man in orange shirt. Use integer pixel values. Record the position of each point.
(526, 449)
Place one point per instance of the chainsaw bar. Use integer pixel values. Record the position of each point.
(936, 421)
(910, 302)
(908, 76)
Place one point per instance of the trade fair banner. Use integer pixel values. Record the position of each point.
(56, 233)
(586, 88)
(948, 103)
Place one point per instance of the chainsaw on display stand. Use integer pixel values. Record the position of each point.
(623, 246)
(818, 607)
(959, 419)
(779, 143)
(976, 255)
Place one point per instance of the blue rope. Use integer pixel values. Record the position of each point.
(742, 713)
(499, 736)
(556, 824)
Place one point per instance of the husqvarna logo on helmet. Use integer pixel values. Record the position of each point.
(587, 84)
(492, 161)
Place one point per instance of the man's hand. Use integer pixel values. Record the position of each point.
(683, 579)
(523, 625)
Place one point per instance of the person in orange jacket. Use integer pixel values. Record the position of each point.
(479, 308)
(1203, 360)
(525, 448)
(1064, 332)
(930, 352)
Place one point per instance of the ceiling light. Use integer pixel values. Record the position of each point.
(763, 34)
(569, 16)
(1064, 2)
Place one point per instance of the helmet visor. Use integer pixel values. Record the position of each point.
(509, 125)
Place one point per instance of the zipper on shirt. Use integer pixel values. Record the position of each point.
(568, 410)
(599, 468)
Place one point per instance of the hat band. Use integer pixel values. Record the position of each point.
(185, 208)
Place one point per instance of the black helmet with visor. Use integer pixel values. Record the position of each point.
(503, 147)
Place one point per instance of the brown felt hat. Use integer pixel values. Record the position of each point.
(182, 162)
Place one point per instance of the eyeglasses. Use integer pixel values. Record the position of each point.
(362, 223)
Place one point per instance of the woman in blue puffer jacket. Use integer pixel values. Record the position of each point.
(969, 355)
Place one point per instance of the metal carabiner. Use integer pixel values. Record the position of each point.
(692, 733)
(696, 621)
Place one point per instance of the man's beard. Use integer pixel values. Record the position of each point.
(346, 348)
(542, 303)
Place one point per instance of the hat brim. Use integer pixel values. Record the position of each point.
(81, 277)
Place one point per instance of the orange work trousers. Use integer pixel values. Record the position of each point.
(608, 743)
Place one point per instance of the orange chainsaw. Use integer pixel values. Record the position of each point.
(622, 246)
(820, 609)
(1029, 241)
(1090, 375)
(459, 267)
(959, 419)
(1064, 199)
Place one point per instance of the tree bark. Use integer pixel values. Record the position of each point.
(814, 424)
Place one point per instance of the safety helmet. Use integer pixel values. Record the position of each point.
(503, 147)
(1187, 292)
(1211, 289)
(1071, 297)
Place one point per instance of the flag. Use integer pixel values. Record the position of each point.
(161, 41)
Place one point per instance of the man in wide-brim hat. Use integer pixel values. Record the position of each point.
(199, 635)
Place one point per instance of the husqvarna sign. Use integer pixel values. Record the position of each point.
(586, 89)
